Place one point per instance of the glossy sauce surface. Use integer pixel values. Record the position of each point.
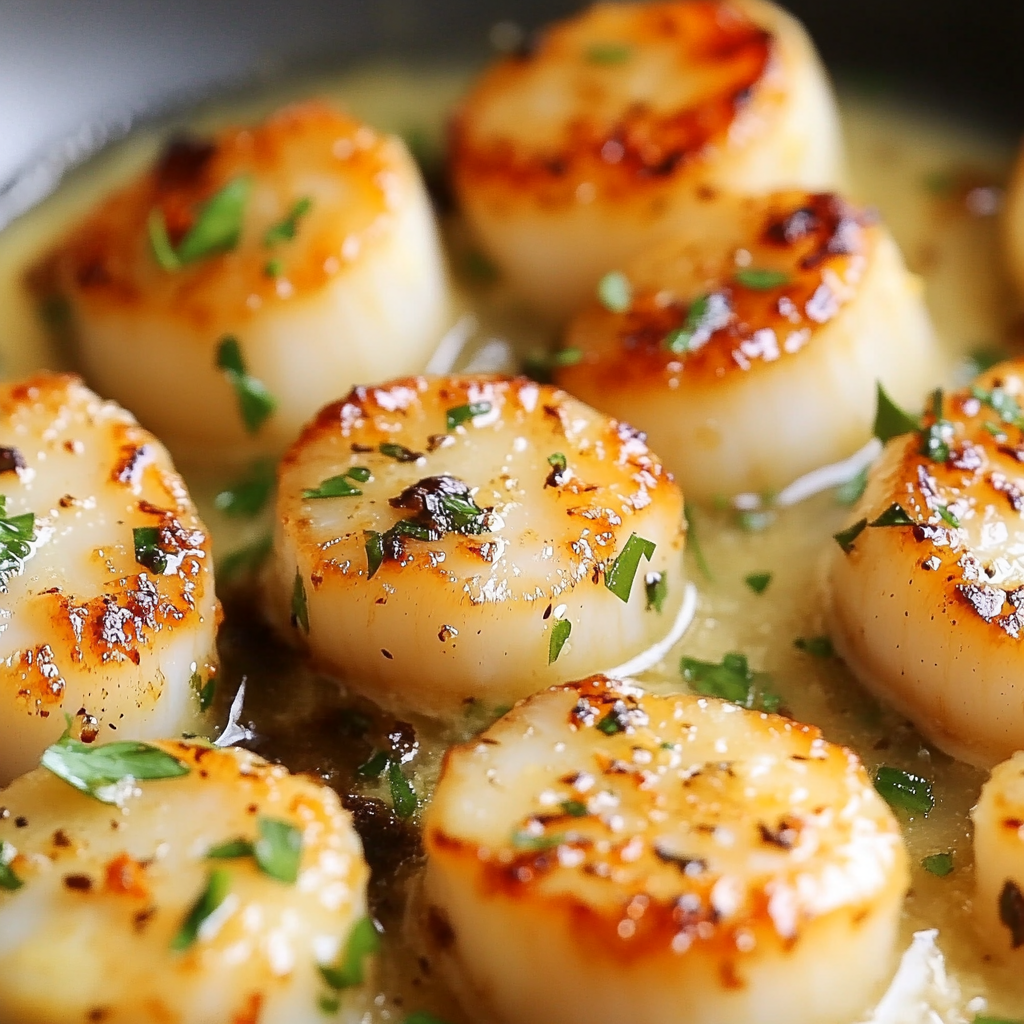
(931, 182)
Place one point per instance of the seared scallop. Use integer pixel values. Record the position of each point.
(472, 537)
(751, 356)
(601, 854)
(260, 272)
(999, 858)
(106, 579)
(212, 888)
(928, 581)
(622, 125)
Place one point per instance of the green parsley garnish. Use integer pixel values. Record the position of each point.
(374, 544)
(328, 1003)
(574, 808)
(16, 536)
(363, 942)
(755, 520)
(610, 724)
(995, 1020)
(761, 280)
(340, 486)
(523, 840)
(619, 576)
(903, 789)
(403, 796)
(217, 228)
(398, 452)
(97, 770)
(845, 538)
(816, 646)
(938, 864)
(300, 607)
(8, 879)
(560, 631)
(247, 496)
(656, 589)
(373, 767)
(464, 413)
(212, 896)
(758, 581)
(890, 420)
(274, 268)
(982, 359)
(850, 492)
(608, 53)
(894, 515)
(284, 230)
(148, 552)
(255, 402)
(936, 437)
(731, 680)
(233, 849)
(203, 691)
(244, 559)
(947, 517)
(693, 543)
(278, 851)
(681, 339)
(614, 292)
(1001, 402)
(557, 461)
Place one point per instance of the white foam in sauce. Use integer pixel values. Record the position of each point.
(931, 181)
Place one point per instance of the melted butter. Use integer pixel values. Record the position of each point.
(902, 162)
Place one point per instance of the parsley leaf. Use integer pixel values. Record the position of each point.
(816, 646)
(374, 544)
(761, 280)
(523, 840)
(255, 402)
(693, 543)
(845, 538)
(903, 789)
(278, 851)
(758, 581)
(615, 292)
(731, 680)
(204, 691)
(619, 576)
(213, 895)
(398, 452)
(340, 486)
(707, 313)
(148, 552)
(160, 241)
(16, 536)
(574, 808)
(890, 419)
(656, 588)
(300, 607)
(464, 413)
(284, 230)
(894, 515)
(233, 849)
(560, 631)
(8, 879)
(938, 864)
(247, 496)
(97, 770)
(218, 225)
(1002, 402)
(363, 942)
(403, 796)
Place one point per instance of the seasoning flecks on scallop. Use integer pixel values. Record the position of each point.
(751, 356)
(222, 889)
(621, 126)
(473, 537)
(260, 271)
(107, 599)
(927, 589)
(602, 854)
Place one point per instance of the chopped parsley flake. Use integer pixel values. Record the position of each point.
(890, 420)
(255, 402)
(693, 543)
(278, 851)
(936, 437)
(707, 313)
(148, 552)
(160, 242)
(615, 292)
(850, 493)
(8, 879)
(574, 808)
(274, 268)
(16, 536)
(300, 607)
(373, 542)
(532, 843)
(248, 496)
(755, 520)
(761, 280)
(894, 515)
(758, 581)
(816, 646)
(203, 691)
(938, 864)
(284, 230)
(373, 767)
(213, 895)
(1001, 402)
(905, 790)
(619, 576)
(845, 538)
(233, 849)
(559, 634)
(608, 53)
(398, 452)
(947, 517)
(731, 680)
(403, 796)
(217, 228)
(363, 942)
(340, 486)
(610, 724)
(465, 413)
(656, 589)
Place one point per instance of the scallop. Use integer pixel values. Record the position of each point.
(751, 356)
(107, 598)
(472, 538)
(602, 854)
(621, 127)
(261, 271)
(927, 585)
(220, 890)
(999, 859)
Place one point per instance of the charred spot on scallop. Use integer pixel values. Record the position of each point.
(751, 355)
(623, 125)
(668, 848)
(107, 575)
(479, 574)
